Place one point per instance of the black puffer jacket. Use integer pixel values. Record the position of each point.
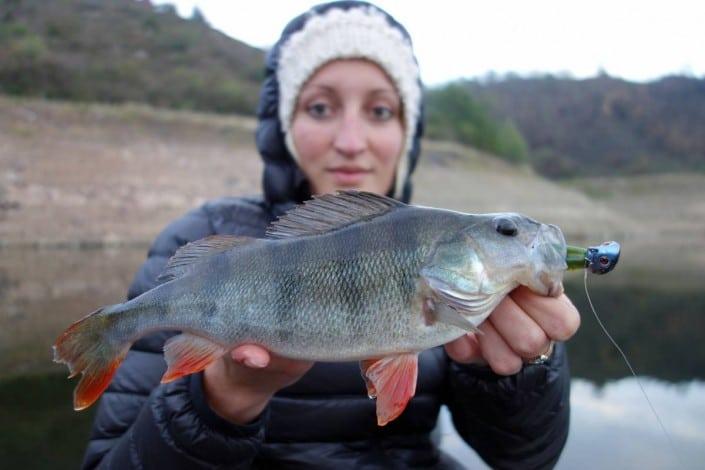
(325, 420)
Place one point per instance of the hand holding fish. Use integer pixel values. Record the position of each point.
(521, 327)
(239, 385)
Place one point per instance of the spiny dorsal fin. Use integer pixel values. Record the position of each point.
(197, 251)
(331, 212)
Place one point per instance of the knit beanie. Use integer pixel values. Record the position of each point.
(361, 32)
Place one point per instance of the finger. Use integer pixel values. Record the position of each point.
(519, 330)
(557, 316)
(465, 350)
(251, 355)
(500, 357)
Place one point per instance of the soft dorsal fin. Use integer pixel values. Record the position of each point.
(197, 251)
(331, 212)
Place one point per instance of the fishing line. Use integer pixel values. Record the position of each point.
(624, 356)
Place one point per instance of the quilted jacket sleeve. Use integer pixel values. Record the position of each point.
(141, 423)
(518, 421)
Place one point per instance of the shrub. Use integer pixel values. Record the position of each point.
(453, 114)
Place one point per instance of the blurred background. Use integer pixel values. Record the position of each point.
(116, 116)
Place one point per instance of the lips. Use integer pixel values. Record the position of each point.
(348, 175)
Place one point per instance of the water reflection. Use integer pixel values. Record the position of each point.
(40, 429)
(613, 427)
(657, 317)
(653, 305)
(43, 291)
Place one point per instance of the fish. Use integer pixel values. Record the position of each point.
(351, 276)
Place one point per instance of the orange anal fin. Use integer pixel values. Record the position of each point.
(392, 380)
(186, 354)
(93, 383)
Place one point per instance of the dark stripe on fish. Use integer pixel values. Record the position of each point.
(280, 288)
(210, 311)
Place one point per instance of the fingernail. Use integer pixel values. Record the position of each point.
(255, 362)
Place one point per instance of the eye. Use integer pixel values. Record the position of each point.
(382, 113)
(506, 227)
(319, 110)
(604, 261)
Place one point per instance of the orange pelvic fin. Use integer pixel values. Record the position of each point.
(392, 380)
(186, 354)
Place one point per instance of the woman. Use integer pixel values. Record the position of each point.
(340, 109)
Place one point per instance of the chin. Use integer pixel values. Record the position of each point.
(331, 187)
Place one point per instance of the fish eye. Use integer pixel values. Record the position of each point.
(604, 261)
(506, 227)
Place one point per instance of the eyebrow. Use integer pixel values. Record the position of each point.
(331, 89)
(376, 93)
(317, 87)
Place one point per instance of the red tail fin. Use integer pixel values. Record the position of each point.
(87, 348)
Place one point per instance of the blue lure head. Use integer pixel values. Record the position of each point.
(603, 258)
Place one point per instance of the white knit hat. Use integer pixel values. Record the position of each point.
(357, 33)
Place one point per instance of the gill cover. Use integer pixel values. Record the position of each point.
(457, 283)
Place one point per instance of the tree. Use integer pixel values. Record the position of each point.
(453, 114)
(198, 17)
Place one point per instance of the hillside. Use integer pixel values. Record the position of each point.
(116, 51)
(603, 126)
(124, 50)
(96, 174)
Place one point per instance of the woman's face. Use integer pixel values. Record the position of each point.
(347, 128)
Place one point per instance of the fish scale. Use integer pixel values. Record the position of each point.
(341, 316)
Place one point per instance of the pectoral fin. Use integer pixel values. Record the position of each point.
(186, 354)
(469, 303)
(446, 303)
(450, 316)
(392, 380)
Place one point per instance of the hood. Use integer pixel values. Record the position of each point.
(282, 181)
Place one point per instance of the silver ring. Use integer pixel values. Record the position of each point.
(542, 358)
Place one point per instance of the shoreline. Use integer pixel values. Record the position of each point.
(91, 176)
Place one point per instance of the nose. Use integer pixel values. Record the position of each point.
(350, 138)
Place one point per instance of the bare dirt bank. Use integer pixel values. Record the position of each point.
(86, 175)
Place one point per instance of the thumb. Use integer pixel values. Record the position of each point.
(251, 355)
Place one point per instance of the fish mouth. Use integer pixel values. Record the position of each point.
(554, 287)
(548, 252)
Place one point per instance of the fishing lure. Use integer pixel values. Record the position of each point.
(599, 259)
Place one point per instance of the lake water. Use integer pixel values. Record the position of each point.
(653, 304)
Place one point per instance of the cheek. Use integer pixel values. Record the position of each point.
(387, 147)
(312, 142)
